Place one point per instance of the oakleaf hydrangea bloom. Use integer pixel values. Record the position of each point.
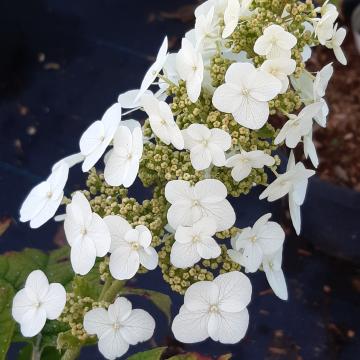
(207, 146)
(215, 309)
(274, 274)
(275, 43)
(129, 248)
(162, 121)
(44, 199)
(193, 243)
(86, 233)
(118, 327)
(190, 66)
(251, 245)
(37, 302)
(244, 162)
(123, 162)
(98, 136)
(154, 69)
(246, 93)
(298, 125)
(190, 204)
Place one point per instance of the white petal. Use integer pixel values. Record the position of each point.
(138, 327)
(295, 214)
(118, 227)
(277, 282)
(180, 214)
(148, 258)
(83, 255)
(223, 213)
(112, 345)
(124, 263)
(91, 138)
(21, 305)
(271, 237)
(54, 301)
(38, 283)
(184, 255)
(200, 157)
(123, 139)
(97, 322)
(33, 322)
(210, 191)
(116, 169)
(226, 98)
(190, 327)
(208, 248)
(263, 86)
(127, 99)
(340, 56)
(221, 139)
(120, 310)
(240, 172)
(234, 291)
(46, 213)
(228, 328)
(253, 256)
(177, 190)
(100, 235)
(201, 295)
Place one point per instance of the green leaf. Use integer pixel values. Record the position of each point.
(265, 133)
(154, 354)
(7, 324)
(58, 268)
(160, 300)
(88, 285)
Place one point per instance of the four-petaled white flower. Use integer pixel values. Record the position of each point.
(162, 121)
(190, 204)
(44, 199)
(280, 68)
(118, 327)
(206, 31)
(206, 145)
(98, 136)
(298, 125)
(37, 302)
(335, 43)
(190, 66)
(324, 26)
(246, 93)
(122, 165)
(86, 233)
(274, 274)
(154, 69)
(243, 163)
(215, 309)
(129, 248)
(193, 243)
(251, 245)
(275, 43)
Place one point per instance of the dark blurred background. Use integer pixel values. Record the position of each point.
(62, 63)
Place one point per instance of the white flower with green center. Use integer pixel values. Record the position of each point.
(207, 146)
(246, 93)
(243, 163)
(298, 126)
(190, 66)
(274, 274)
(193, 243)
(129, 248)
(335, 43)
(86, 233)
(154, 70)
(281, 68)
(251, 245)
(275, 43)
(215, 309)
(118, 327)
(122, 165)
(162, 121)
(44, 199)
(37, 302)
(98, 136)
(190, 204)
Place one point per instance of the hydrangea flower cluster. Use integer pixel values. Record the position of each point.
(203, 132)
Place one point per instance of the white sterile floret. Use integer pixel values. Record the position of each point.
(44, 199)
(98, 136)
(281, 68)
(235, 10)
(243, 163)
(86, 233)
(275, 43)
(298, 125)
(37, 302)
(118, 327)
(193, 243)
(122, 165)
(274, 274)
(335, 43)
(190, 204)
(207, 146)
(246, 93)
(215, 309)
(162, 121)
(190, 66)
(251, 245)
(154, 69)
(324, 26)
(206, 30)
(129, 248)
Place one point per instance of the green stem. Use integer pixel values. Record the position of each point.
(113, 290)
(36, 353)
(71, 353)
(105, 287)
